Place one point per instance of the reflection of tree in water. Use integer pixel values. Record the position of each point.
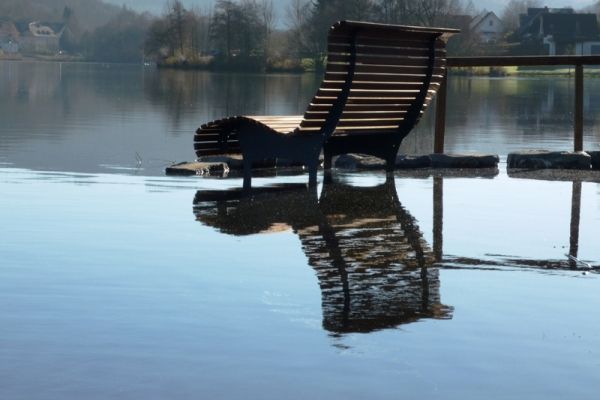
(214, 95)
(373, 266)
(59, 91)
(534, 104)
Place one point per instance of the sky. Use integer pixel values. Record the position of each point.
(157, 6)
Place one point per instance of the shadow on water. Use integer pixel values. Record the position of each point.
(374, 268)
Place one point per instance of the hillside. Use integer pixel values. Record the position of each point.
(90, 13)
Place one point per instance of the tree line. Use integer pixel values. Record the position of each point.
(246, 34)
(249, 35)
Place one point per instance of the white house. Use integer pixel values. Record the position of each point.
(41, 37)
(487, 26)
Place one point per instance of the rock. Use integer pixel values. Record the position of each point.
(408, 162)
(595, 159)
(285, 163)
(464, 160)
(232, 161)
(198, 168)
(356, 161)
(540, 159)
(564, 175)
(236, 161)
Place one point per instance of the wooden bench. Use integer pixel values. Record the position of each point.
(379, 79)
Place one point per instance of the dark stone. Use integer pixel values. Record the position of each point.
(356, 161)
(198, 168)
(236, 161)
(540, 159)
(563, 175)
(285, 163)
(232, 161)
(464, 160)
(409, 162)
(595, 159)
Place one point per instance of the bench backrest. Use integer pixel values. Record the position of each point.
(378, 78)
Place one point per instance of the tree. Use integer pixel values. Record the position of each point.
(237, 30)
(70, 39)
(267, 17)
(432, 11)
(178, 33)
(178, 18)
(510, 15)
(120, 40)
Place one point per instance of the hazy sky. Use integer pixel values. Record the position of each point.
(157, 6)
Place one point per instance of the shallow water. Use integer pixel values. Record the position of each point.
(130, 119)
(118, 282)
(117, 286)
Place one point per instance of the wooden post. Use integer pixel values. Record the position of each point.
(578, 108)
(438, 218)
(440, 116)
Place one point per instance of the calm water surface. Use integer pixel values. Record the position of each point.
(118, 282)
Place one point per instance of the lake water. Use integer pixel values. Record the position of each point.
(118, 282)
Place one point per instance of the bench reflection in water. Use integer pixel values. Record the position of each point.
(373, 265)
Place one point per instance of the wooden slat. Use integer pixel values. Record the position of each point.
(389, 62)
(209, 137)
(399, 61)
(357, 114)
(204, 147)
(359, 107)
(344, 48)
(359, 85)
(345, 123)
(217, 152)
(382, 77)
(349, 27)
(354, 130)
(400, 95)
(385, 69)
(274, 117)
(388, 42)
(378, 101)
(384, 36)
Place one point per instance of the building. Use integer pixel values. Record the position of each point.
(560, 31)
(487, 27)
(38, 37)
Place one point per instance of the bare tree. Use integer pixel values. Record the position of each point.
(177, 16)
(417, 12)
(297, 15)
(510, 15)
(267, 16)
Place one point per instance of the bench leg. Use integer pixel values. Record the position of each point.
(327, 160)
(247, 173)
(390, 160)
(327, 177)
(312, 173)
(390, 164)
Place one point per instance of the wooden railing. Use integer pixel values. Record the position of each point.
(522, 61)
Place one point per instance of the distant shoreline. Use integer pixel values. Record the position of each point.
(498, 72)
